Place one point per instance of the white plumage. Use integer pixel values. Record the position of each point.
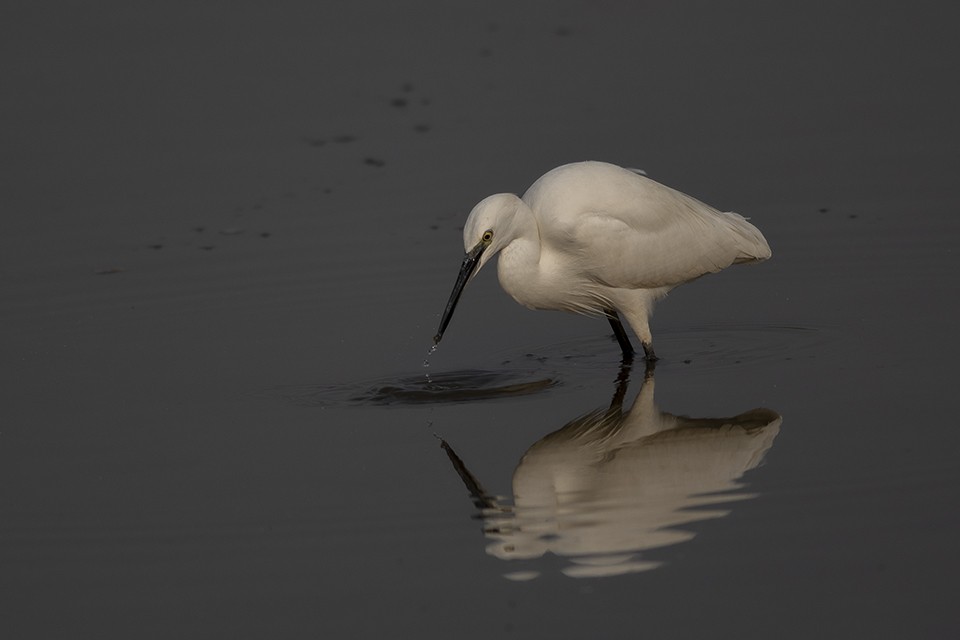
(595, 238)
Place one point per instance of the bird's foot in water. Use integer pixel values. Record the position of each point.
(649, 360)
(648, 353)
(626, 364)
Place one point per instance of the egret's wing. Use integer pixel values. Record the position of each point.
(641, 234)
(617, 253)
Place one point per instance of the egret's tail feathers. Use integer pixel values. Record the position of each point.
(751, 245)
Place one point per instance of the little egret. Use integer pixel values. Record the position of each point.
(595, 238)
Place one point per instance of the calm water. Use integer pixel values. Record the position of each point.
(228, 236)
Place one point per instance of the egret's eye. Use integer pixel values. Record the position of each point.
(487, 235)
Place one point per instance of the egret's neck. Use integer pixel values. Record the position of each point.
(519, 261)
(525, 247)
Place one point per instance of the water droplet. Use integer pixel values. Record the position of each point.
(426, 361)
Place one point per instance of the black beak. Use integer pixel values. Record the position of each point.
(466, 270)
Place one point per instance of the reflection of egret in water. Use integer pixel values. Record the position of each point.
(612, 484)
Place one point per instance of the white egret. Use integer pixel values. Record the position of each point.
(597, 239)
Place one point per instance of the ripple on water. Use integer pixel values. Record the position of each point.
(711, 349)
(582, 361)
(444, 387)
(721, 348)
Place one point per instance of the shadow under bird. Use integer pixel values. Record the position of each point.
(597, 239)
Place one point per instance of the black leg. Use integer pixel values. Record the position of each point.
(648, 352)
(620, 334)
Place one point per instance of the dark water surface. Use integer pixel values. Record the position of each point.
(229, 231)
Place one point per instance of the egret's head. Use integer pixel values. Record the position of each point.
(490, 227)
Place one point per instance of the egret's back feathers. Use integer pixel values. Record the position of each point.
(628, 231)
